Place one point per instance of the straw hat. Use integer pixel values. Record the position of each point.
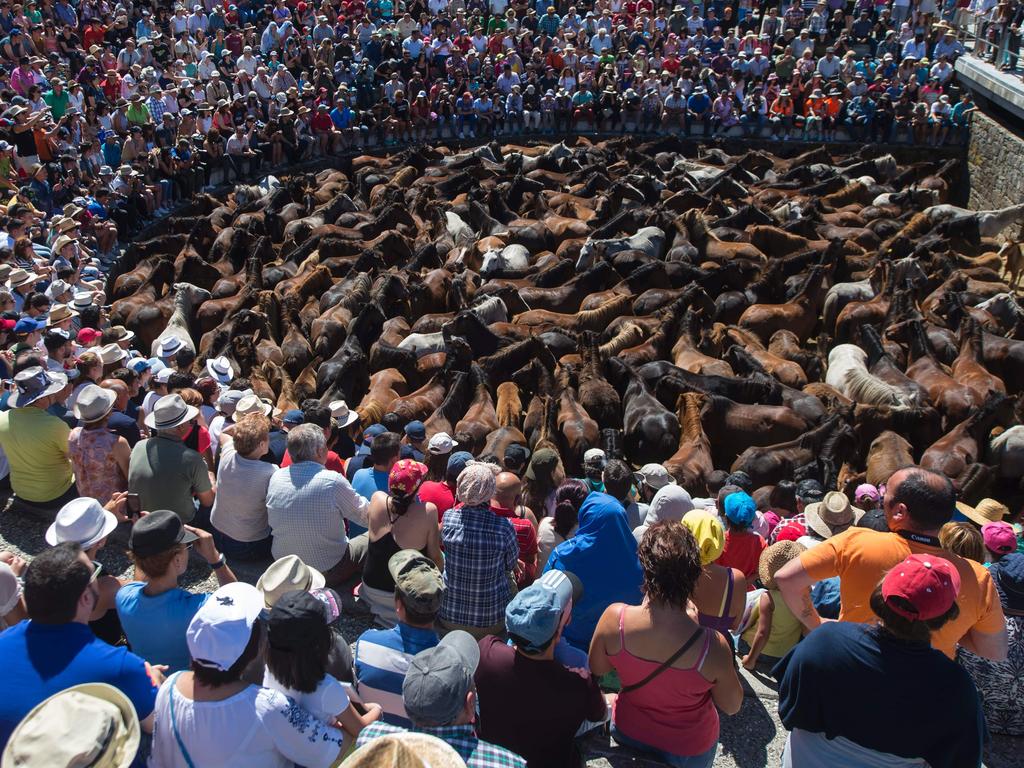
(405, 750)
(987, 511)
(834, 514)
(288, 574)
(59, 313)
(20, 277)
(92, 724)
(112, 353)
(774, 557)
(344, 415)
(170, 411)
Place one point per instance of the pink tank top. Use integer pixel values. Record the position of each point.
(673, 712)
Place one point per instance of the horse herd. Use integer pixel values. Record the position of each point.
(802, 316)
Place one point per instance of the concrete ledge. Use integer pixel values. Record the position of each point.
(1004, 89)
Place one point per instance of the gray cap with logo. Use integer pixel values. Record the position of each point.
(439, 678)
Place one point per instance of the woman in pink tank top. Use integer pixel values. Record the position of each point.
(675, 674)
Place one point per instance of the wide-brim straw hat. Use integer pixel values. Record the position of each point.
(986, 511)
(774, 557)
(832, 515)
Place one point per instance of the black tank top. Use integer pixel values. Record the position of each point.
(375, 570)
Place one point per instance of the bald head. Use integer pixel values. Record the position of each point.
(119, 388)
(919, 500)
(507, 488)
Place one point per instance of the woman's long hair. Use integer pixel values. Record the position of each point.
(568, 500)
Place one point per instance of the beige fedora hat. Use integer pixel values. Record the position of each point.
(289, 574)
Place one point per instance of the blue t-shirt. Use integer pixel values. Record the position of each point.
(155, 626)
(40, 660)
(366, 482)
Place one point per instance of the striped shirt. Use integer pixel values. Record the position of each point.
(462, 738)
(381, 658)
(305, 507)
(480, 553)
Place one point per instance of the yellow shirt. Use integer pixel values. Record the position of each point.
(785, 631)
(36, 444)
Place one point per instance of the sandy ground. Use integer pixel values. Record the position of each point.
(753, 738)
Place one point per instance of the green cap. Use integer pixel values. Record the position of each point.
(418, 579)
(543, 461)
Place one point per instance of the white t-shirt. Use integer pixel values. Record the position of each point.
(327, 702)
(240, 509)
(255, 728)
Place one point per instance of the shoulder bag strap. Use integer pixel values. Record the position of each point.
(174, 723)
(665, 664)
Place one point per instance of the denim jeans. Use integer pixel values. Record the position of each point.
(243, 550)
(705, 760)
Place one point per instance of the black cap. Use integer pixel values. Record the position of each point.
(157, 532)
(810, 490)
(873, 519)
(741, 480)
(516, 456)
(293, 618)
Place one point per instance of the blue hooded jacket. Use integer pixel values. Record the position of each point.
(603, 556)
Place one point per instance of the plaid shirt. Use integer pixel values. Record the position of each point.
(480, 553)
(462, 738)
(157, 108)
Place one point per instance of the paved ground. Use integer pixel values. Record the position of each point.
(753, 738)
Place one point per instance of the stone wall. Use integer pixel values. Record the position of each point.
(995, 160)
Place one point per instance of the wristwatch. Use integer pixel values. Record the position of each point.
(220, 563)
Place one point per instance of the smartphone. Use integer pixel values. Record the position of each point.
(133, 504)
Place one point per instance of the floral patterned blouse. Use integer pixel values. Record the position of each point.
(1001, 683)
(92, 457)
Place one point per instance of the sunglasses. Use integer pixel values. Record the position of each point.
(97, 568)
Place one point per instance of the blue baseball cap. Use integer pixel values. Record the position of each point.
(372, 431)
(293, 416)
(456, 463)
(156, 365)
(534, 615)
(28, 325)
(140, 365)
(415, 430)
(740, 508)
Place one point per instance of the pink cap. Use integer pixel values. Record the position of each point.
(1000, 538)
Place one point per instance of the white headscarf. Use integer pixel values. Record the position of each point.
(671, 502)
(476, 484)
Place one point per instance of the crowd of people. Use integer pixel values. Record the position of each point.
(516, 609)
(124, 111)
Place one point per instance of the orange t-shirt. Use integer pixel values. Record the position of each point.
(860, 557)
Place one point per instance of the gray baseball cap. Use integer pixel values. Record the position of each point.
(416, 576)
(439, 678)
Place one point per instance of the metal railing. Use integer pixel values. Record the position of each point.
(987, 39)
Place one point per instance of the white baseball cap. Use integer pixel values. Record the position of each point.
(440, 444)
(221, 629)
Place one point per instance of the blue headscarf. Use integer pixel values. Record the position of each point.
(602, 554)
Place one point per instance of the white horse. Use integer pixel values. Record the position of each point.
(490, 310)
(187, 298)
(511, 258)
(848, 374)
(990, 223)
(650, 240)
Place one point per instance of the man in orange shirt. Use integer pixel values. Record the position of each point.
(917, 504)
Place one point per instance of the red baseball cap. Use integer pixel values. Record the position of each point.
(6, 324)
(405, 477)
(928, 583)
(88, 335)
(790, 530)
(999, 537)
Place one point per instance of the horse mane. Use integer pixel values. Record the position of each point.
(603, 315)
(851, 193)
(690, 404)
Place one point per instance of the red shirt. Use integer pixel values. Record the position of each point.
(333, 462)
(526, 535)
(439, 494)
(742, 551)
(322, 123)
